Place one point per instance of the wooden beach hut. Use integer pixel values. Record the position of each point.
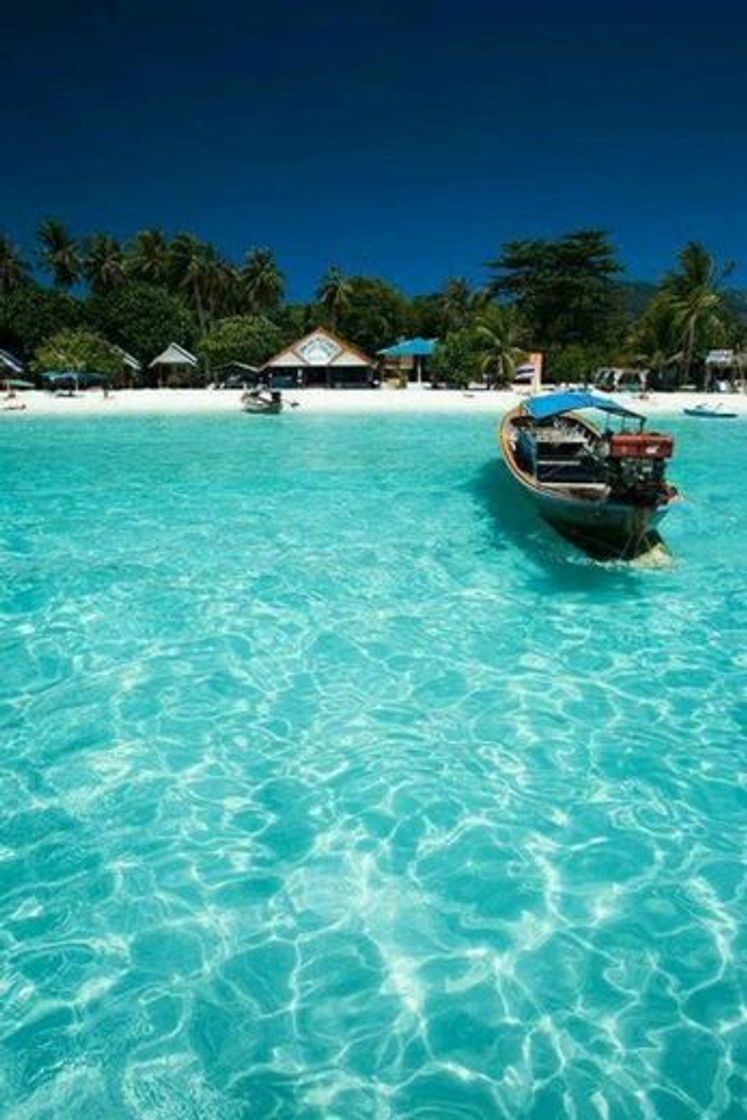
(320, 358)
(175, 367)
(131, 369)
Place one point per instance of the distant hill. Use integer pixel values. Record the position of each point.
(737, 304)
(637, 294)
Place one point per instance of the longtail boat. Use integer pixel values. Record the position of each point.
(603, 489)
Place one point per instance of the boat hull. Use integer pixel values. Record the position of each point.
(606, 530)
(262, 409)
(702, 414)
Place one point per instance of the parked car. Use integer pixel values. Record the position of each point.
(620, 380)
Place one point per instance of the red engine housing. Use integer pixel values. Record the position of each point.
(641, 445)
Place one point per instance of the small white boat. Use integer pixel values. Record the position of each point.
(261, 400)
(710, 412)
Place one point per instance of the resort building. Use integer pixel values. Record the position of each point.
(320, 358)
(174, 367)
(724, 369)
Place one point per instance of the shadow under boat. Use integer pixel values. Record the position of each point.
(512, 521)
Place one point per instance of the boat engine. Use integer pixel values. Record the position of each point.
(640, 445)
(637, 461)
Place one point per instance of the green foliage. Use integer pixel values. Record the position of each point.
(103, 263)
(334, 295)
(636, 295)
(574, 365)
(59, 253)
(565, 290)
(13, 268)
(79, 350)
(655, 342)
(142, 319)
(263, 284)
(375, 316)
(148, 257)
(210, 285)
(456, 304)
(692, 293)
(500, 334)
(688, 315)
(297, 319)
(426, 318)
(488, 350)
(735, 303)
(29, 314)
(243, 338)
(458, 359)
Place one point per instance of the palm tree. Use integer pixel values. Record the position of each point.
(500, 336)
(694, 296)
(456, 303)
(196, 270)
(13, 268)
(334, 293)
(103, 263)
(481, 299)
(655, 342)
(148, 256)
(223, 290)
(58, 253)
(263, 281)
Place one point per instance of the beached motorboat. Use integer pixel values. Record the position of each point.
(261, 400)
(710, 412)
(603, 489)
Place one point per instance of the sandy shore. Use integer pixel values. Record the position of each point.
(191, 401)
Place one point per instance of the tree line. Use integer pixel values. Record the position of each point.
(567, 297)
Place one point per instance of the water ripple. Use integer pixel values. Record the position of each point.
(332, 784)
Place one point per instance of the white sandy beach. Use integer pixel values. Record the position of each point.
(191, 401)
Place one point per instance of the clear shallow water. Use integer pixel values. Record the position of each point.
(332, 784)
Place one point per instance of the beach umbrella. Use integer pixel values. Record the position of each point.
(75, 379)
(57, 378)
(416, 348)
(17, 383)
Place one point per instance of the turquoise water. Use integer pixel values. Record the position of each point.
(332, 784)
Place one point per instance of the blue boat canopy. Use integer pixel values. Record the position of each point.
(410, 348)
(555, 404)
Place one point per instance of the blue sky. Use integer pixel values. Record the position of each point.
(405, 140)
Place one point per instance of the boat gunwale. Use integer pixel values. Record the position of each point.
(560, 492)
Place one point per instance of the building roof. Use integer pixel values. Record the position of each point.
(724, 358)
(174, 355)
(7, 361)
(410, 348)
(128, 359)
(320, 348)
(236, 365)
